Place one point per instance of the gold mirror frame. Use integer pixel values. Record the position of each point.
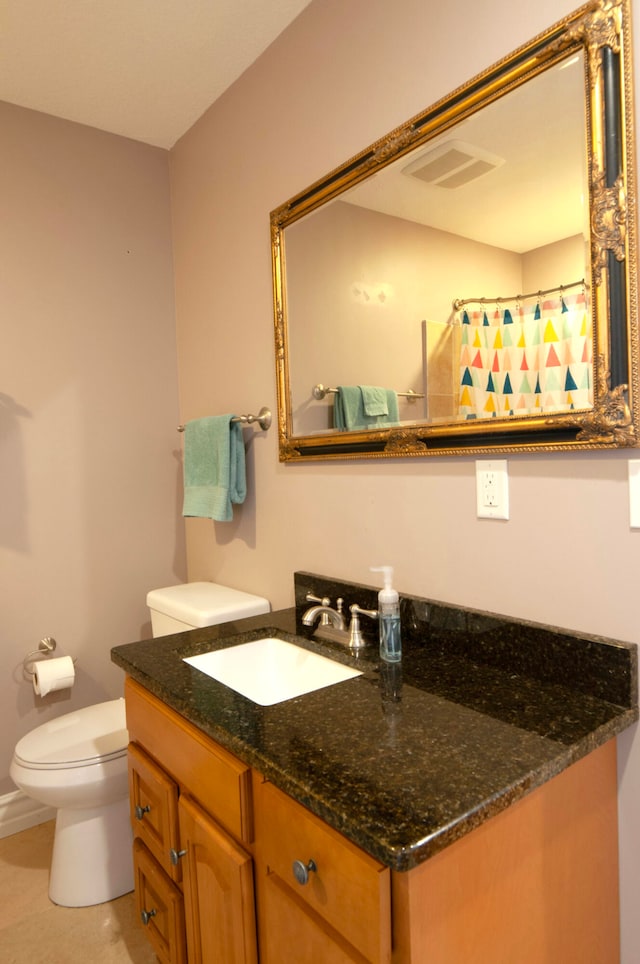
(601, 31)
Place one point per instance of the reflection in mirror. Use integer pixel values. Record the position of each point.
(377, 271)
(440, 292)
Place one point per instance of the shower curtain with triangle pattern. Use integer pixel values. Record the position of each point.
(532, 359)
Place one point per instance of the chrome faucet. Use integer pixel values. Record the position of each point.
(328, 616)
(332, 623)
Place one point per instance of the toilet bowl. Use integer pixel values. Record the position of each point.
(77, 763)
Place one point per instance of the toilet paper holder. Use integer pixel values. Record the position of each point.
(46, 646)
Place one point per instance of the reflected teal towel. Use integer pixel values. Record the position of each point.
(214, 467)
(349, 408)
(374, 400)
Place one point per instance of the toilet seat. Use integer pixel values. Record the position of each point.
(92, 735)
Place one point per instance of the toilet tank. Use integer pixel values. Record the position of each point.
(192, 605)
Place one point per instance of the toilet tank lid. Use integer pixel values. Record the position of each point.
(78, 738)
(205, 603)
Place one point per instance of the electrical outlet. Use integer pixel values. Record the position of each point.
(492, 490)
(634, 493)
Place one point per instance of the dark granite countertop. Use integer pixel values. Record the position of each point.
(404, 761)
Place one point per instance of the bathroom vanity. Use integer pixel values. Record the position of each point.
(461, 810)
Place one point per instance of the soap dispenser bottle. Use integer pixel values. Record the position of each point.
(389, 618)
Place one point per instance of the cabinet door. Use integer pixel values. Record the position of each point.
(218, 891)
(159, 906)
(153, 797)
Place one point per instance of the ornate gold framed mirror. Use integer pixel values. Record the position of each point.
(467, 284)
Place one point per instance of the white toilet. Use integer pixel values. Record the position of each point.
(196, 604)
(77, 762)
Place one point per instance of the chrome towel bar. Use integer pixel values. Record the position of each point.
(319, 392)
(263, 418)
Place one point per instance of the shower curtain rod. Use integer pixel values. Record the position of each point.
(460, 302)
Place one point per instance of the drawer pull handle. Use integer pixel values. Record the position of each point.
(301, 871)
(140, 811)
(175, 856)
(146, 915)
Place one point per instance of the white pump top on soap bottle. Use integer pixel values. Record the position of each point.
(389, 617)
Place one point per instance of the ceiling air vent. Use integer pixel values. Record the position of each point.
(453, 164)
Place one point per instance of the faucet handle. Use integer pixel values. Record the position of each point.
(355, 610)
(356, 639)
(325, 601)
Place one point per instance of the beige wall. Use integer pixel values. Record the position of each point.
(341, 76)
(559, 263)
(88, 405)
(360, 287)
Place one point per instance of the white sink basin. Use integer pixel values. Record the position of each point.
(271, 670)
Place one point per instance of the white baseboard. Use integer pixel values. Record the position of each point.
(18, 812)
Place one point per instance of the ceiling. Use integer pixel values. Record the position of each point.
(536, 197)
(144, 69)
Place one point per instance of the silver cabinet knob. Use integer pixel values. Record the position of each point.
(146, 915)
(175, 855)
(301, 871)
(140, 811)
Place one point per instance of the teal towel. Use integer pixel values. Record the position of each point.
(349, 412)
(347, 407)
(374, 400)
(214, 467)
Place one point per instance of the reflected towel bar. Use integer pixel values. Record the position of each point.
(263, 418)
(319, 392)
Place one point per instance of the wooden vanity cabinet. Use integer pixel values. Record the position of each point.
(191, 816)
(537, 883)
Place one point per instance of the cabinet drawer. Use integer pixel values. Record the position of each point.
(214, 777)
(348, 889)
(153, 798)
(160, 906)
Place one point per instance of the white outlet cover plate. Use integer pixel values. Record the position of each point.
(634, 493)
(492, 489)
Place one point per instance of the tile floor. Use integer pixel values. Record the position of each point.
(35, 931)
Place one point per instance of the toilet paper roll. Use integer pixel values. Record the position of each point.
(53, 674)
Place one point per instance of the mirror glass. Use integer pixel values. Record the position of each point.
(464, 284)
